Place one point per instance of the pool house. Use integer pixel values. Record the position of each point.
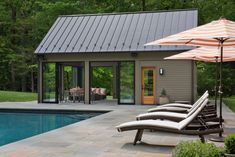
(77, 45)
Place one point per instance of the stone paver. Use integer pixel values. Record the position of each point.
(97, 137)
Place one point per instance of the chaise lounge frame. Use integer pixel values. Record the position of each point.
(182, 127)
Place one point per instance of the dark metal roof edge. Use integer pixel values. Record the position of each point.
(138, 12)
(50, 53)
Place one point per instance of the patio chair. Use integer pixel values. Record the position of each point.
(174, 116)
(181, 108)
(66, 95)
(178, 104)
(76, 94)
(181, 127)
(177, 107)
(80, 94)
(92, 94)
(98, 93)
(208, 113)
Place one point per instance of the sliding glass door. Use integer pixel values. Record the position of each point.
(126, 82)
(50, 83)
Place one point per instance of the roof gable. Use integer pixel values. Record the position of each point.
(123, 32)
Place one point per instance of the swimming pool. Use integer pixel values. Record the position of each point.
(19, 124)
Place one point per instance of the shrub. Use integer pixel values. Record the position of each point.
(163, 92)
(230, 144)
(197, 149)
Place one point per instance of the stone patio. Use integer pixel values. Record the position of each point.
(97, 137)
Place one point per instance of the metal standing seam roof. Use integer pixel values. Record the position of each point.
(119, 32)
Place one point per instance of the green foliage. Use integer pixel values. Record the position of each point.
(24, 23)
(126, 80)
(197, 149)
(214, 9)
(17, 47)
(230, 144)
(18, 96)
(230, 102)
(68, 77)
(102, 77)
(206, 77)
(49, 77)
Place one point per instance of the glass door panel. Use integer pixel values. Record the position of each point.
(126, 83)
(49, 83)
(148, 85)
(148, 82)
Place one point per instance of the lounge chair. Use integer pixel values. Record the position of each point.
(177, 107)
(183, 108)
(174, 116)
(182, 127)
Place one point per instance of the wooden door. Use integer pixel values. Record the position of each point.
(148, 84)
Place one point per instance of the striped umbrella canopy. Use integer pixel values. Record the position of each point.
(207, 54)
(216, 33)
(219, 33)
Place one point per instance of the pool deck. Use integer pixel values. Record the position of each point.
(97, 136)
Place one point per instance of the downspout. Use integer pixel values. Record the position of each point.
(38, 80)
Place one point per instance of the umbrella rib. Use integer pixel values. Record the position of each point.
(189, 41)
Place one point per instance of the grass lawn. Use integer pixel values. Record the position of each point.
(230, 102)
(17, 96)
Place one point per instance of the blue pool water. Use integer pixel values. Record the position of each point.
(19, 124)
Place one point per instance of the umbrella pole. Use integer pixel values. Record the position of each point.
(216, 82)
(220, 86)
(220, 138)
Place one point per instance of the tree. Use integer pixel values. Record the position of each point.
(206, 77)
(24, 23)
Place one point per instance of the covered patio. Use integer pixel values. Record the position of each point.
(66, 82)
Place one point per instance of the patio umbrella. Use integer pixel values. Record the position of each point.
(206, 54)
(219, 33)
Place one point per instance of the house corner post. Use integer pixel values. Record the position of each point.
(39, 83)
(87, 82)
(137, 82)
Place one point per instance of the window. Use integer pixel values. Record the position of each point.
(126, 82)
